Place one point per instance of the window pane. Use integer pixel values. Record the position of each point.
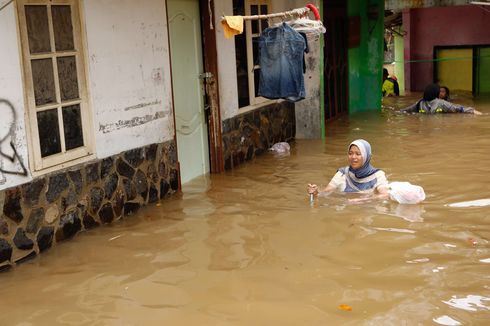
(238, 8)
(255, 49)
(62, 27)
(72, 124)
(241, 70)
(37, 29)
(241, 58)
(254, 10)
(256, 81)
(43, 79)
(49, 132)
(265, 22)
(67, 74)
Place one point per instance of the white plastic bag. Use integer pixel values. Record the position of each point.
(406, 193)
(282, 147)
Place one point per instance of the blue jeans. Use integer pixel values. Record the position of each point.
(281, 51)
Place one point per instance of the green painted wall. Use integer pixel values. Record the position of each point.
(483, 82)
(366, 61)
(399, 59)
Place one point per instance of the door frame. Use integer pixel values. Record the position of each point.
(210, 61)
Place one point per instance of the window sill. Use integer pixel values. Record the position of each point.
(254, 107)
(63, 166)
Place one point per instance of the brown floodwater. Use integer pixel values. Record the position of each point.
(247, 248)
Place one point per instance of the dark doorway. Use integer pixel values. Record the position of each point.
(335, 58)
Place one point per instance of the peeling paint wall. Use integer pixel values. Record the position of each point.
(129, 74)
(13, 143)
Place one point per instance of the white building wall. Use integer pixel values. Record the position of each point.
(227, 77)
(129, 73)
(12, 123)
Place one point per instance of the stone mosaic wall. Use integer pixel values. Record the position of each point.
(250, 134)
(57, 206)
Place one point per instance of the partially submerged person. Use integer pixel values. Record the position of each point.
(444, 93)
(431, 104)
(358, 176)
(390, 85)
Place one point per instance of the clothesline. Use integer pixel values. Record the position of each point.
(233, 25)
(291, 13)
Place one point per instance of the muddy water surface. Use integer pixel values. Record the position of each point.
(247, 248)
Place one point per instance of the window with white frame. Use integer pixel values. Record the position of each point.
(55, 83)
(247, 50)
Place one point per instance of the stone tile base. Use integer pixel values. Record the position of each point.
(252, 133)
(57, 206)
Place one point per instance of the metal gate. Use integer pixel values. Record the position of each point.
(335, 58)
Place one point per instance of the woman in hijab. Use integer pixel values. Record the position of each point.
(358, 176)
(431, 103)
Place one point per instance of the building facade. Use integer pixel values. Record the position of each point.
(107, 106)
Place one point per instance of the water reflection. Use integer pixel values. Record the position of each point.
(446, 320)
(470, 302)
(245, 247)
(410, 213)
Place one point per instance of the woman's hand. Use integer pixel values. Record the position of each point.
(312, 189)
(476, 112)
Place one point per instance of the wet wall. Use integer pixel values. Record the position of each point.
(365, 56)
(439, 26)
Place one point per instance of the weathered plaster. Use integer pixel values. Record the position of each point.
(226, 63)
(129, 74)
(12, 124)
(308, 121)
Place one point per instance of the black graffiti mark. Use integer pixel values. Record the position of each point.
(15, 157)
(12, 159)
(5, 4)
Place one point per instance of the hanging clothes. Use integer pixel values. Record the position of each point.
(307, 50)
(232, 25)
(281, 53)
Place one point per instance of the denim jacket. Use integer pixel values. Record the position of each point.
(281, 52)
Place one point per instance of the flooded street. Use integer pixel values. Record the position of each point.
(247, 248)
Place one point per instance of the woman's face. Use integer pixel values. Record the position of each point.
(355, 157)
(442, 93)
